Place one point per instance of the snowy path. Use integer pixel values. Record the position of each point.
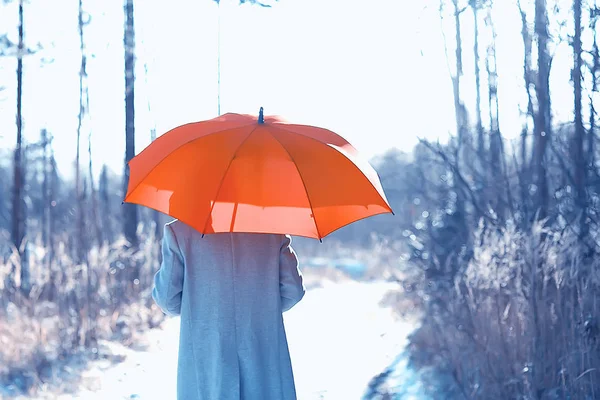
(339, 338)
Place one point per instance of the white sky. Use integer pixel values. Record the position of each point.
(373, 71)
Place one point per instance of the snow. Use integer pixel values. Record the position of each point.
(339, 335)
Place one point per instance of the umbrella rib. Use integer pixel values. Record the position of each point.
(223, 178)
(303, 184)
(347, 158)
(174, 150)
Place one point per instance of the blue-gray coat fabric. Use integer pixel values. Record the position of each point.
(230, 290)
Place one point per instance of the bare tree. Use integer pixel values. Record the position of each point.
(474, 4)
(594, 69)
(93, 194)
(45, 191)
(460, 186)
(48, 217)
(579, 156)
(529, 114)
(52, 196)
(496, 147)
(105, 209)
(18, 203)
(80, 250)
(130, 217)
(542, 125)
(459, 107)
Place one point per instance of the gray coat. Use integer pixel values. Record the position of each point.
(230, 290)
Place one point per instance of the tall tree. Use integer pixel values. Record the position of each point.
(457, 220)
(45, 192)
(474, 4)
(578, 154)
(79, 224)
(93, 192)
(105, 209)
(53, 182)
(594, 69)
(528, 114)
(459, 107)
(18, 202)
(496, 147)
(84, 238)
(542, 125)
(130, 217)
(18, 217)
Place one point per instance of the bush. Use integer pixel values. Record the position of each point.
(521, 319)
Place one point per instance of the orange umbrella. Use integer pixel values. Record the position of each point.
(240, 173)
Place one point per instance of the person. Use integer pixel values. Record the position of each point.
(230, 291)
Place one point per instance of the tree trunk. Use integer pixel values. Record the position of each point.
(18, 217)
(480, 134)
(579, 156)
(79, 231)
(45, 198)
(18, 202)
(94, 196)
(130, 220)
(459, 107)
(84, 101)
(542, 129)
(542, 133)
(461, 127)
(594, 68)
(527, 67)
(93, 191)
(458, 220)
(46, 264)
(528, 116)
(52, 190)
(108, 233)
(496, 148)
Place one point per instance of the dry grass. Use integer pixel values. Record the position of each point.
(63, 317)
(521, 319)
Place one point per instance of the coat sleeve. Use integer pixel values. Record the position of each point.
(168, 281)
(291, 285)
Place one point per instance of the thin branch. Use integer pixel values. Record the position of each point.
(464, 184)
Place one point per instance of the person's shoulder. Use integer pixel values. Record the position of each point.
(278, 238)
(178, 227)
(173, 225)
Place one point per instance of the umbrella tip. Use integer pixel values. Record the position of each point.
(261, 117)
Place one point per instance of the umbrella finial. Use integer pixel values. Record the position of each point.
(261, 117)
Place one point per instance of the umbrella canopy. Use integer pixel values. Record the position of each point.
(242, 173)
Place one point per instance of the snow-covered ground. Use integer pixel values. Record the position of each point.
(339, 337)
